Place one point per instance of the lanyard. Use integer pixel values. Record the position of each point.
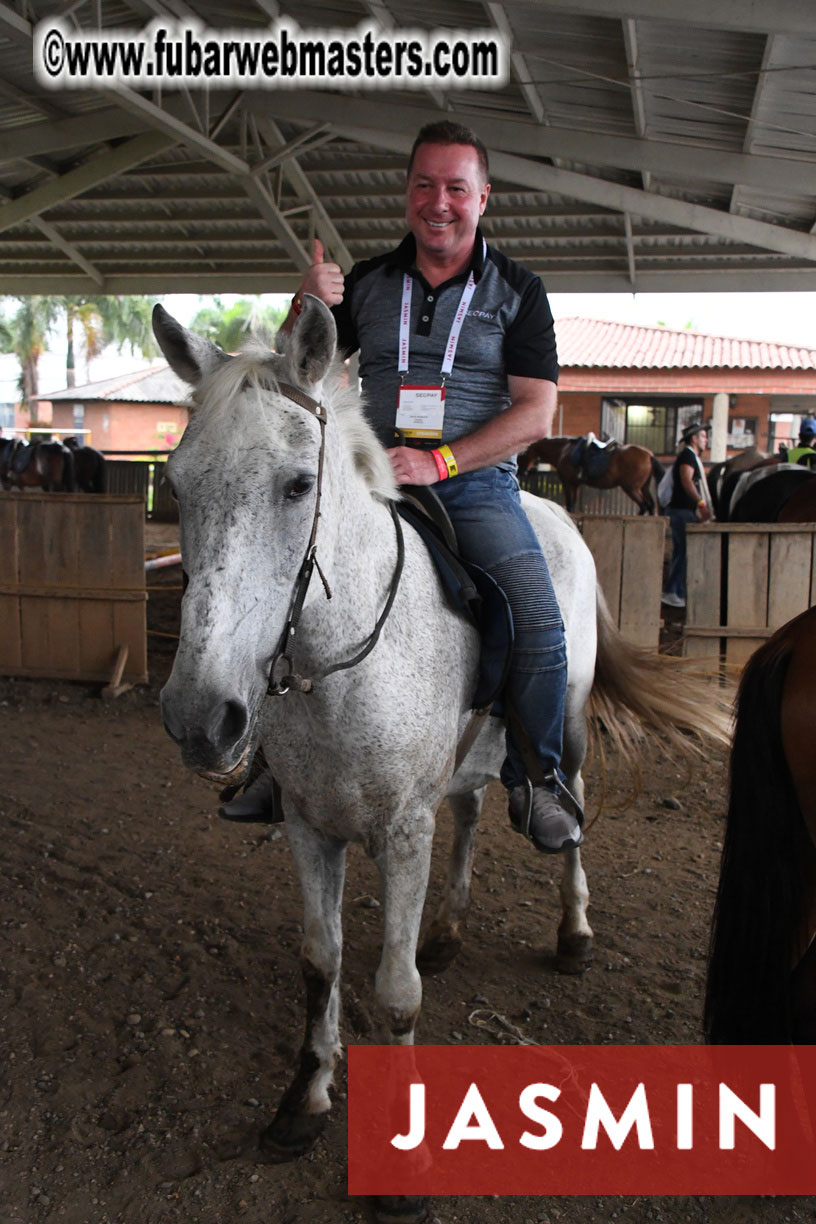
(456, 326)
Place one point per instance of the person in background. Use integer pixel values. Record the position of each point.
(690, 503)
(804, 452)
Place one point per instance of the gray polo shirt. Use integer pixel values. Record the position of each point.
(508, 329)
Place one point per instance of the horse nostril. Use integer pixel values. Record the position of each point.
(228, 723)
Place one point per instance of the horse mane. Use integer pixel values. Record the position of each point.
(265, 370)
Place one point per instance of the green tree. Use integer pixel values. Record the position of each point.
(101, 319)
(25, 333)
(229, 326)
(105, 320)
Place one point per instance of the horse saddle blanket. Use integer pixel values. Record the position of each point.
(591, 457)
(469, 589)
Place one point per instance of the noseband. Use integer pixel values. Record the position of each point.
(282, 675)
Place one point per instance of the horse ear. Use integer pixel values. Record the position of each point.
(189, 355)
(313, 341)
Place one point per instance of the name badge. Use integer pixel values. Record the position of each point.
(421, 411)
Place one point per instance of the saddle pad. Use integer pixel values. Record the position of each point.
(473, 593)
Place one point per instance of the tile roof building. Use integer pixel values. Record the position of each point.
(135, 412)
(643, 384)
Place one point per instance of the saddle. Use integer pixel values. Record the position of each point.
(469, 589)
(591, 458)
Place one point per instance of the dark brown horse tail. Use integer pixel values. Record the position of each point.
(639, 691)
(658, 470)
(760, 898)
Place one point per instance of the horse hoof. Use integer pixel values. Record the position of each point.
(400, 1208)
(288, 1138)
(437, 953)
(574, 953)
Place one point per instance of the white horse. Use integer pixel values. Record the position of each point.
(278, 461)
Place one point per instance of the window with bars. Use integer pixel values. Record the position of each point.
(655, 422)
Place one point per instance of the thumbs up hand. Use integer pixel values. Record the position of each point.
(323, 280)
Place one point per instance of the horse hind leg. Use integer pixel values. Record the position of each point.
(304, 1108)
(443, 939)
(575, 937)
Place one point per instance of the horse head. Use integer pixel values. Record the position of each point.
(245, 476)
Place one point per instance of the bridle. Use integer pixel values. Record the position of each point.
(282, 675)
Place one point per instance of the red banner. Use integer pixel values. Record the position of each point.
(582, 1120)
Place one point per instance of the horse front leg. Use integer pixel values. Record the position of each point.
(304, 1107)
(443, 939)
(404, 863)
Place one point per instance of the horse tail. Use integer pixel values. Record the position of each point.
(658, 470)
(760, 897)
(637, 692)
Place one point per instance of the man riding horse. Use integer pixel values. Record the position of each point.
(459, 367)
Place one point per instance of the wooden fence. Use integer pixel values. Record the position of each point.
(72, 593)
(743, 581)
(612, 502)
(145, 478)
(628, 553)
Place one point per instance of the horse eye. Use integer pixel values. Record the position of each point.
(299, 486)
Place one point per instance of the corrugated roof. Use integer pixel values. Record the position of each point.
(158, 385)
(636, 146)
(594, 342)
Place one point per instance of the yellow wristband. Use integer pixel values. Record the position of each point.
(450, 462)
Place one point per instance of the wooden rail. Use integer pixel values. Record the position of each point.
(73, 589)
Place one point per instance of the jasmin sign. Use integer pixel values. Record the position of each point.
(582, 1120)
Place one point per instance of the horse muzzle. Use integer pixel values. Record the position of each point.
(215, 742)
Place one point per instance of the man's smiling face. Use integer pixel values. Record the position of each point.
(446, 195)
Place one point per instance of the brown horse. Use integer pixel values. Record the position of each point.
(89, 467)
(630, 467)
(761, 985)
(37, 465)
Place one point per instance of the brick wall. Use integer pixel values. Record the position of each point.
(126, 426)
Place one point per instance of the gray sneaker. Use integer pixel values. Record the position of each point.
(548, 820)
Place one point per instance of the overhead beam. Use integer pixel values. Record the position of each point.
(324, 226)
(589, 280)
(60, 135)
(90, 174)
(161, 120)
(501, 22)
(241, 171)
(14, 26)
(771, 59)
(534, 140)
(56, 239)
(539, 177)
(754, 16)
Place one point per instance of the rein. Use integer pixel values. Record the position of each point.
(288, 680)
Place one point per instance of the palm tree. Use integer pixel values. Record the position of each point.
(102, 319)
(229, 326)
(26, 334)
(107, 320)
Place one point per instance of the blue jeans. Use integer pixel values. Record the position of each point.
(676, 583)
(494, 532)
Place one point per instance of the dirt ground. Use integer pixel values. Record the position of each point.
(152, 996)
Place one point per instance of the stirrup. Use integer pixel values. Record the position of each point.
(523, 824)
